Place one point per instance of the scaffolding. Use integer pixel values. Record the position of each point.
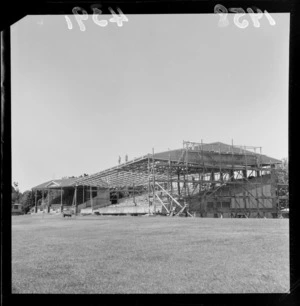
(201, 179)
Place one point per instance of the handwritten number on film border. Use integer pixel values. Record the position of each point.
(118, 19)
(96, 13)
(222, 12)
(240, 13)
(255, 17)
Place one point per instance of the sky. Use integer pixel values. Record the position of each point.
(81, 99)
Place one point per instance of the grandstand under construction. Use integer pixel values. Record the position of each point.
(199, 179)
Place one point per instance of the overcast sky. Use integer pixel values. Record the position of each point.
(82, 98)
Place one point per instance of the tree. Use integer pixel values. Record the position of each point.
(283, 180)
(283, 172)
(28, 199)
(15, 193)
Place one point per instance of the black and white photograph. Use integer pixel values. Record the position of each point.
(150, 152)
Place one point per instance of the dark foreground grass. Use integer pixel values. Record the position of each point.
(149, 255)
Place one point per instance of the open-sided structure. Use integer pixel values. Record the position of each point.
(56, 194)
(202, 179)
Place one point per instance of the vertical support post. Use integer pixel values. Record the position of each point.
(149, 203)
(232, 166)
(245, 174)
(75, 200)
(168, 173)
(36, 201)
(153, 173)
(48, 198)
(170, 184)
(184, 185)
(178, 182)
(61, 201)
(202, 204)
(118, 193)
(134, 195)
(232, 178)
(199, 186)
(221, 176)
(91, 198)
(257, 175)
(220, 164)
(202, 158)
(212, 177)
(246, 162)
(83, 189)
(261, 176)
(186, 170)
(273, 189)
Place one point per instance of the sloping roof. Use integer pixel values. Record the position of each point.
(122, 175)
(69, 182)
(264, 159)
(56, 183)
(225, 148)
(212, 150)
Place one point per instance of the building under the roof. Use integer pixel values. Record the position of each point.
(199, 179)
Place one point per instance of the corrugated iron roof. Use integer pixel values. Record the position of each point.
(120, 175)
(69, 182)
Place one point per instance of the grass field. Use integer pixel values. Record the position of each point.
(92, 254)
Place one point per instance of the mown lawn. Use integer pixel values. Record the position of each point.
(92, 254)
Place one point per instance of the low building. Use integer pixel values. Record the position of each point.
(59, 194)
(17, 209)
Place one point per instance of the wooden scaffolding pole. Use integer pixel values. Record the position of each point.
(48, 198)
(261, 174)
(36, 201)
(168, 174)
(91, 198)
(232, 177)
(133, 187)
(246, 198)
(83, 193)
(75, 204)
(186, 170)
(61, 200)
(220, 179)
(171, 183)
(117, 193)
(178, 182)
(153, 172)
(149, 202)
